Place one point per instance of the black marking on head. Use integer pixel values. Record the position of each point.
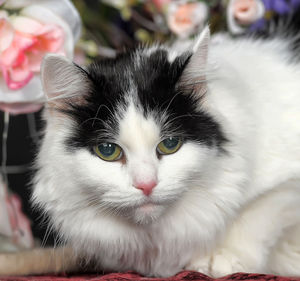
(96, 116)
(156, 91)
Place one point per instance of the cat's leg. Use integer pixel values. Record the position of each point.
(285, 257)
(38, 261)
(253, 234)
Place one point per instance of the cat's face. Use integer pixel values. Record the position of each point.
(143, 181)
(132, 138)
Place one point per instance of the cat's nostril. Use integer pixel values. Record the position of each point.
(146, 187)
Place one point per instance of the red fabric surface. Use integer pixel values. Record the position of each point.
(184, 275)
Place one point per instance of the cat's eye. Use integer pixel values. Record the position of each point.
(108, 151)
(169, 145)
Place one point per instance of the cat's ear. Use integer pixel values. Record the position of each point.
(62, 80)
(193, 78)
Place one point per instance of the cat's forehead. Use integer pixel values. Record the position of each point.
(142, 82)
(137, 132)
(142, 68)
(148, 77)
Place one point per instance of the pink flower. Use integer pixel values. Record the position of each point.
(20, 225)
(6, 33)
(243, 13)
(35, 28)
(13, 223)
(31, 40)
(161, 4)
(186, 18)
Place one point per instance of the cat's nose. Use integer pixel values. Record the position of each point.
(146, 187)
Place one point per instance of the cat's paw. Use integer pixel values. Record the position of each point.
(220, 263)
(201, 265)
(225, 262)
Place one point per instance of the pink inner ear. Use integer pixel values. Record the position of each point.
(193, 78)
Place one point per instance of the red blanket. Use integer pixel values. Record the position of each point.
(130, 276)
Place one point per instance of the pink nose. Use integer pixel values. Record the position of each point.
(146, 187)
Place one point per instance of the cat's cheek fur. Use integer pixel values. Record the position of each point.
(111, 183)
(120, 244)
(185, 210)
(102, 176)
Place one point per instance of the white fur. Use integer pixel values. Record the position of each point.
(218, 213)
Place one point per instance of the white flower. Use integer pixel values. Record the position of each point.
(185, 18)
(242, 13)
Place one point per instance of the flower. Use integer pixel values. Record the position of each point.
(274, 8)
(245, 11)
(161, 4)
(242, 13)
(13, 223)
(31, 40)
(186, 18)
(20, 225)
(6, 32)
(25, 37)
(281, 7)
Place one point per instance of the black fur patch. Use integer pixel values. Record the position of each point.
(155, 80)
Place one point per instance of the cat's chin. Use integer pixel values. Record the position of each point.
(147, 213)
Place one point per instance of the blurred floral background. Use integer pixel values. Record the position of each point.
(110, 26)
(31, 28)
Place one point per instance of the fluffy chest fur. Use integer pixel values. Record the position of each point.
(234, 110)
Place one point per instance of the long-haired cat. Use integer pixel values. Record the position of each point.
(162, 160)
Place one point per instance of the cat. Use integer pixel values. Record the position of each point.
(167, 159)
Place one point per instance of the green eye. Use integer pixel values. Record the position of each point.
(169, 145)
(108, 151)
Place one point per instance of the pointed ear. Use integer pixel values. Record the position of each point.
(193, 77)
(62, 80)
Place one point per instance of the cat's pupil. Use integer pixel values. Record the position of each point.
(170, 142)
(107, 149)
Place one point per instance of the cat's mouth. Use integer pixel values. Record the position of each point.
(150, 206)
(147, 213)
(147, 207)
(142, 211)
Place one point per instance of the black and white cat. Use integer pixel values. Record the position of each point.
(162, 160)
